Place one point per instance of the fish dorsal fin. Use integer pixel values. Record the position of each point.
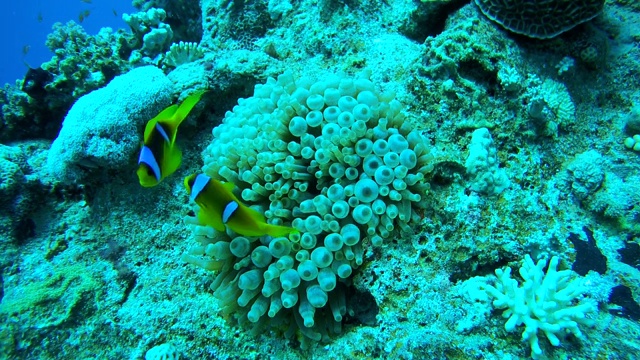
(176, 117)
(167, 113)
(186, 105)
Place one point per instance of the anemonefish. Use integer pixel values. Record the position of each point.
(159, 156)
(219, 207)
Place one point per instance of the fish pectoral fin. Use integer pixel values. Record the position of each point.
(206, 218)
(173, 160)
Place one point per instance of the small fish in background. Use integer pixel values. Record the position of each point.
(35, 82)
(83, 15)
(25, 50)
(115, 13)
(86, 1)
(220, 208)
(40, 18)
(159, 156)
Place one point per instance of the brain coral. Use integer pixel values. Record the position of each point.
(541, 19)
(334, 159)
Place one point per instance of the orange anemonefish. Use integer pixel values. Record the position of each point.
(219, 207)
(159, 156)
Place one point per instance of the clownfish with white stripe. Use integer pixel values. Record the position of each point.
(220, 208)
(159, 156)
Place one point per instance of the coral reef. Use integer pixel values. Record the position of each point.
(521, 146)
(22, 185)
(184, 17)
(162, 352)
(35, 107)
(583, 176)
(12, 183)
(51, 300)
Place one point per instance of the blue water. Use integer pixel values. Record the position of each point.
(27, 23)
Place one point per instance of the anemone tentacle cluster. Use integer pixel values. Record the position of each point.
(336, 160)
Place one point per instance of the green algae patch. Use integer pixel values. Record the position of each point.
(51, 301)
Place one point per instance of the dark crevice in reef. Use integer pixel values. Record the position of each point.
(476, 72)
(630, 253)
(473, 267)
(363, 306)
(429, 18)
(446, 173)
(623, 297)
(588, 255)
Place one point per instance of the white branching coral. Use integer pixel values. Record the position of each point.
(182, 53)
(546, 302)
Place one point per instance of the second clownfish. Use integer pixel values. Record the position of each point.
(220, 208)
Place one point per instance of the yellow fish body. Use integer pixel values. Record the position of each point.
(159, 156)
(220, 208)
